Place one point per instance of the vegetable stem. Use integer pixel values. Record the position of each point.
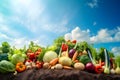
(75, 46)
(91, 58)
(107, 62)
(107, 59)
(66, 53)
(60, 52)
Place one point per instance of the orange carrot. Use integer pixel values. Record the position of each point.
(75, 61)
(54, 61)
(67, 67)
(75, 56)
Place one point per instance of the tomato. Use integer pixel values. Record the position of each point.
(37, 53)
(39, 64)
(31, 56)
(68, 41)
(39, 50)
(64, 47)
(74, 41)
(28, 60)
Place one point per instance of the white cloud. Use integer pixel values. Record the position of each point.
(4, 37)
(78, 34)
(9, 31)
(117, 35)
(33, 16)
(58, 27)
(20, 42)
(103, 35)
(1, 18)
(27, 13)
(93, 3)
(116, 50)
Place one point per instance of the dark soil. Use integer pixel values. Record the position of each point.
(48, 74)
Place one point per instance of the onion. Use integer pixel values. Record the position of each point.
(112, 71)
(117, 70)
(65, 61)
(58, 66)
(46, 65)
(90, 67)
(71, 53)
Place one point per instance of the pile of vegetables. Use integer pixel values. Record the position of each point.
(61, 55)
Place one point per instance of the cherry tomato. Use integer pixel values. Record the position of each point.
(39, 64)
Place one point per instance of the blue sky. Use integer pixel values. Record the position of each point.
(41, 21)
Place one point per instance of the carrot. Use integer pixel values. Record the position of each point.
(75, 61)
(54, 61)
(101, 63)
(67, 67)
(80, 53)
(75, 56)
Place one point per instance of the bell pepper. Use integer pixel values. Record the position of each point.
(39, 50)
(20, 67)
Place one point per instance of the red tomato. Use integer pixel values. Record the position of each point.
(28, 60)
(37, 53)
(39, 64)
(39, 50)
(68, 41)
(64, 47)
(74, 41)
(31, 56)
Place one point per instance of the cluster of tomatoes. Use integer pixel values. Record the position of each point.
(30, 62)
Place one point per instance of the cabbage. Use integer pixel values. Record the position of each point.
(49, 55)
(6, 66)
(17, 58)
